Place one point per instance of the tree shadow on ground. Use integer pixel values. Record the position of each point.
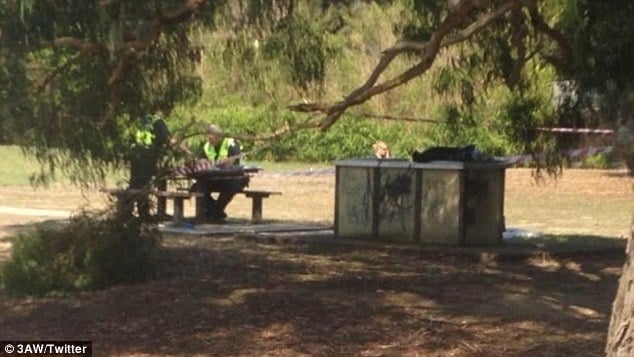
(221, 296)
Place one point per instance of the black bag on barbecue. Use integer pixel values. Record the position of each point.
(446, 153)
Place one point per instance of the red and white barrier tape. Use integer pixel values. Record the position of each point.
(515, 160)
(575, 154)
(577, 130)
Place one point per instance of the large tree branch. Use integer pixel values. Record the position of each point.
(396, 118)
(429, 50)
(480, 23)
(447, 41)
(459, 13)
(565, 58)
(459, 36)
(117, 76)
(309, 123)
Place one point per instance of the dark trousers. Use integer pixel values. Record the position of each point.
(227, 189)
(142, 170)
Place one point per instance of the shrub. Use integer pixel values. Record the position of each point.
(90, 252)
(599, 161)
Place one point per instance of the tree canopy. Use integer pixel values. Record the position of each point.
(77, 74)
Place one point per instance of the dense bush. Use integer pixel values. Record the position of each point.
(90, 252)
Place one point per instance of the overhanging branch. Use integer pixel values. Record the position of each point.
(565, 57)
(310, 123)
(184, 133)
(396, 118)
(442, 37)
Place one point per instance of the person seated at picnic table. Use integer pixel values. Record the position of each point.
(224, 153)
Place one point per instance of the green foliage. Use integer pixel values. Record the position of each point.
(106, 71)
(428, 14)
(601, 46)
(16, 167)
(599, 161)
(349, 138)
(301, 48)
(240, 63)
(599, 32)
(90, 252)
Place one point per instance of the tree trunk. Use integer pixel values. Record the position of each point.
(621, 333)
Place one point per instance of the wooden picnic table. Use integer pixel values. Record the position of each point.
(180, 193)
(219, 174)
(234, 172)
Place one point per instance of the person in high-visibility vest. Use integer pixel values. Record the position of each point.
(148, 141)
(223, 152)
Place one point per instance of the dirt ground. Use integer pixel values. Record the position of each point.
(227, 296)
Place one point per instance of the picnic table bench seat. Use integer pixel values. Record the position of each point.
(124, 196)
(179, 196)
(257, 197)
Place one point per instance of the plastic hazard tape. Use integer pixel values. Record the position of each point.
(576, 154)
(516, 160)
(577, 130)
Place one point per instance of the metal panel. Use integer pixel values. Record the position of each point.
(484, 216)
(396, 213)
(354, 201)
(440, 207)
